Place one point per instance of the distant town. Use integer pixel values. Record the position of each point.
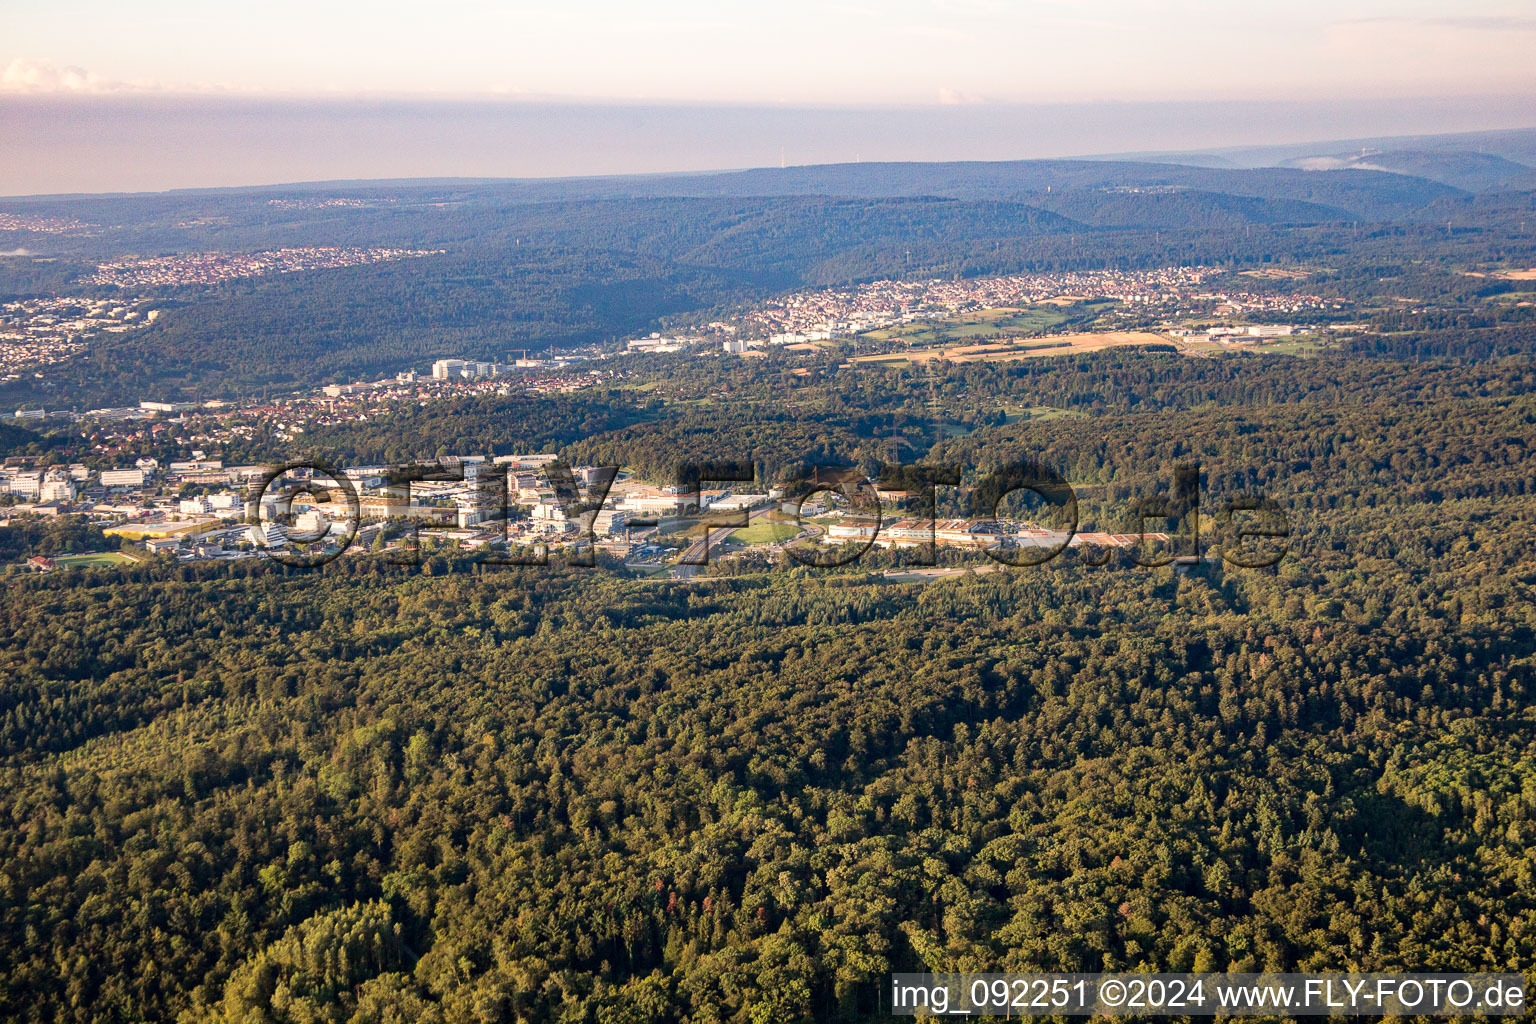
(38, 333)
(199, 508)
(202, 268)
(811, 316)
(327, 202)
(35, 333)
(42, 225)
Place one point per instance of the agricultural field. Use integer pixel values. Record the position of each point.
(986, 323)
(1053, 345)
(1277, 273)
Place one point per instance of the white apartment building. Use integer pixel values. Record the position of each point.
(610, 522)
(122, 478)
(454, 369)
(56, 487)
(472, 515)
(27, 485)
(549, 517)
(197, 466)
(311, 522)
(271, 535)
(478, 471)
(652, 505)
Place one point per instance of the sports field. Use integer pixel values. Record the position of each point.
(93, 559)
(763, 533)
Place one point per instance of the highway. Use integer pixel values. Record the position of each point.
(694, 556)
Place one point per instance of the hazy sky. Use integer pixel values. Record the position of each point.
(151, 94)
(773, 51)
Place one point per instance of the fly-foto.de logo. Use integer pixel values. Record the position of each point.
(1025, 514)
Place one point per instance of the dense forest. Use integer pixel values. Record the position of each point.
(235, 793)
(370, 793)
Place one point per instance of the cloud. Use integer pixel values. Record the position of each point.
(31, 76)
(18, 252)
(956, 98)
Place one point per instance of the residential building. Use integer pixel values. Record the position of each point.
(610, 522)
(122, 478)
(56, 486)
(549, 517)
(27, 484)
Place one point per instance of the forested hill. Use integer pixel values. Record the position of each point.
(1363, 194)
(373, 795)
(533, 264)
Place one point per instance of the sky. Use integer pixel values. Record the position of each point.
(785, 51)
(738, 67)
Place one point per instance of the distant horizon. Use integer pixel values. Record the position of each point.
(102, 144)
(795, 52)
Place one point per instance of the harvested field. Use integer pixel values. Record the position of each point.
(1050, 345)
